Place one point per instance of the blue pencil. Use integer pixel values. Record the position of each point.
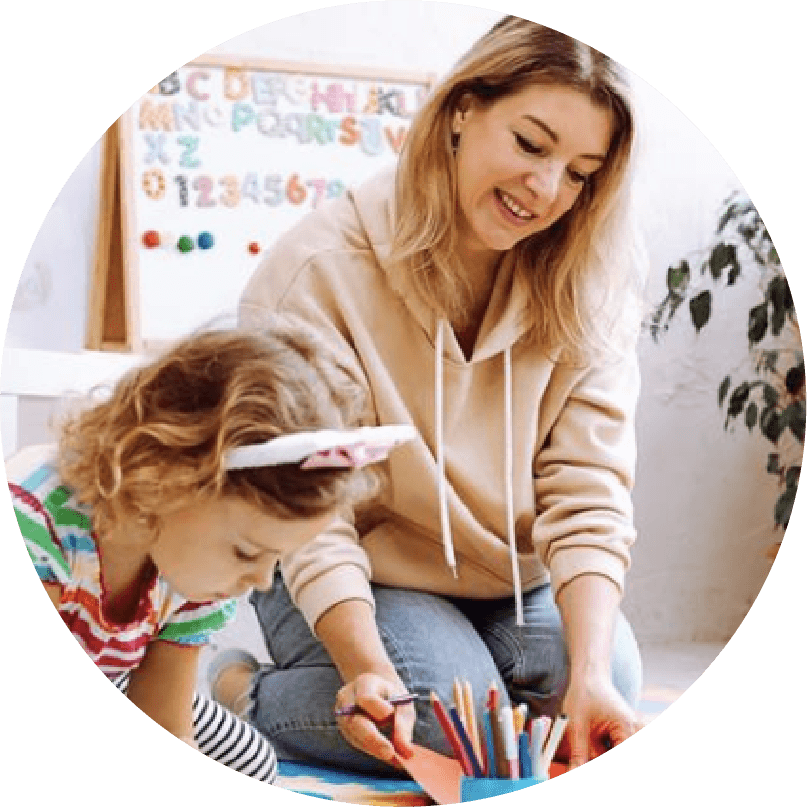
(524, 761)
(466, 741)
(490, 748)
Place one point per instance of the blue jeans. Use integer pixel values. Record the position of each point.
(431, 640)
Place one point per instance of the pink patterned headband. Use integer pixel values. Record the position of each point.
(323, 449)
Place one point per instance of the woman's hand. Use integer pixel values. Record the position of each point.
(599, 718)
(377, 728)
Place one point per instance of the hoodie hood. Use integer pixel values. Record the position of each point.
(505, 320)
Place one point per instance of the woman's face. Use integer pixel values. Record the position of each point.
(522, 161)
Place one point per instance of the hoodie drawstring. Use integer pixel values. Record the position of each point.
(508, 485)
(445, 526)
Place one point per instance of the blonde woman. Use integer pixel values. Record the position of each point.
(485, 291)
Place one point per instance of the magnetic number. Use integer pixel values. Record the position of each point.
(295, 192)
(205, 187)
(182, 182)
(274, 190)
(231, 196)
(154, 184)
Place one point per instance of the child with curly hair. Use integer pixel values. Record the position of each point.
(179, 493)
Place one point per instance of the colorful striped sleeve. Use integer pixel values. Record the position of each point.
(39, 533)
(194, 623)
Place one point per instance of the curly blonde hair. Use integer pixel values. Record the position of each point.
(582, 269)
(160, 440)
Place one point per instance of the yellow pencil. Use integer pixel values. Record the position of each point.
(459, 702)
(519, 718)
(473, 725)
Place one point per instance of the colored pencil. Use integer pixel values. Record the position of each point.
(519, 718)
(397, 700)
(473, 723)
(539, 727)
(490, 753)
(524, 759)
(553, 741)
(459, 700)
(510, 743)
(476, 768)
(499, 759)
(492, 701)
(451, 734)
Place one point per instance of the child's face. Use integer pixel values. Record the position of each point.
(224, 547)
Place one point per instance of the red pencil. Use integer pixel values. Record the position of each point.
(501, 770)
(451, 734)
(493, 697)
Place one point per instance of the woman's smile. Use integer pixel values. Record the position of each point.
(513, 207)
(523, 161)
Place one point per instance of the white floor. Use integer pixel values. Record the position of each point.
(669, 670)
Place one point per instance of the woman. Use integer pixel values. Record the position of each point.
(483, 293)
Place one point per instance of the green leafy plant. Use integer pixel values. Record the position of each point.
(768, 393)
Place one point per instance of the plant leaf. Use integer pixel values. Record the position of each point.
(678, 277)
(794, 418)
(773, 463)
(751, 415)
(794, 380)
(777, 293)
(770, 424)
(721, 256)
(757, 323)
(784, 507)
(723, 389)
(770, 395)
(700, 309)
(738, 399)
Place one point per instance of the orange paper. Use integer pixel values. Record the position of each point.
(439, 776)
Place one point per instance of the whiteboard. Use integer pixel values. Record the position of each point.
(223, 156)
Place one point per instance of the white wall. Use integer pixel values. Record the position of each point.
(703, 502)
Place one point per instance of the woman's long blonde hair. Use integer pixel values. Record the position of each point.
(159, 441)
(581, 271)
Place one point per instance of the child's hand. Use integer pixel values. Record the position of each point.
(377, 728)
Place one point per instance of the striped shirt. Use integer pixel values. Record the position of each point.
(64, 549)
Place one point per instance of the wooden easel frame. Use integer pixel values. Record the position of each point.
(108, 320)
(113, 317)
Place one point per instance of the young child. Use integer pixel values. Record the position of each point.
(179, 493)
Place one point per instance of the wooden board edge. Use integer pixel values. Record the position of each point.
(131, 279)
(103, 236)
(364, 72)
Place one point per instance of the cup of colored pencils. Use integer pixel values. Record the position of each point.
(501, 751)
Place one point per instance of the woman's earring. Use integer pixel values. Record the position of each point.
(455, 142)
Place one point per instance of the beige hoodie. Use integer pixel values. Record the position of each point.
(532, 453)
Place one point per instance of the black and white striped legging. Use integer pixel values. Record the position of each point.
(222, 736)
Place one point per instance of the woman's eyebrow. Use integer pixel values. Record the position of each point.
(553, 136)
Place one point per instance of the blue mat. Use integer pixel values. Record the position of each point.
(353, 788)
